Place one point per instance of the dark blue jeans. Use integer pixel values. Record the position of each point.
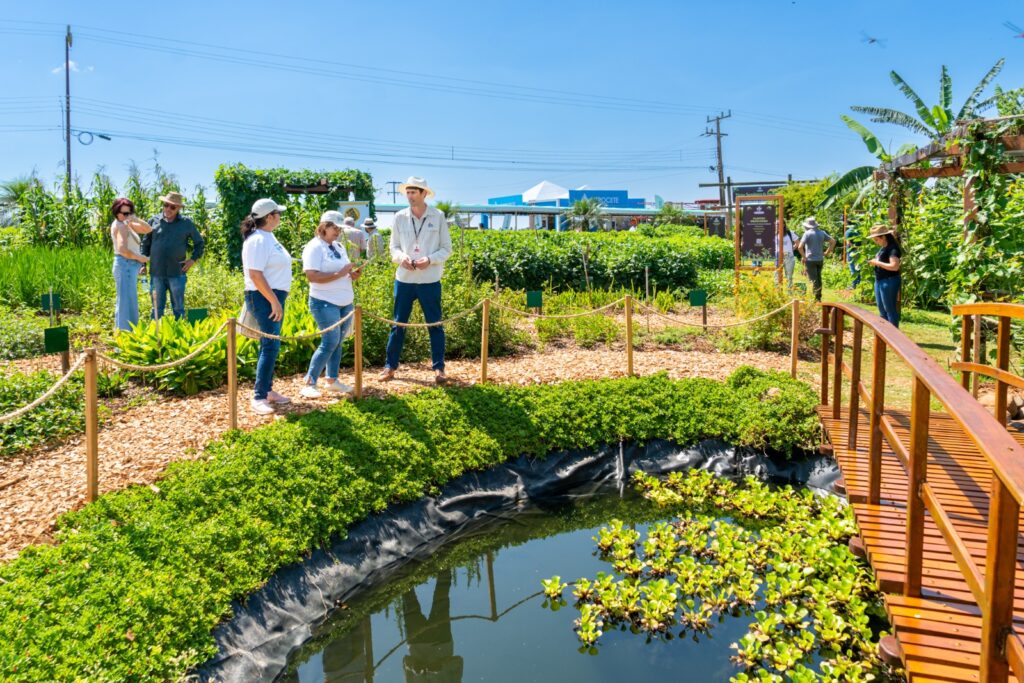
(429, 296)
(887, 292)
(158, 289)
(269, 348)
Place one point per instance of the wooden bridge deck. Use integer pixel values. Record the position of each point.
(939, 632)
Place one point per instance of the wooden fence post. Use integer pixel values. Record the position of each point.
(794, 338)
(1003, 363)
(826, 337)
(629, 335)
(1000, 577)
(357, 363)
(851, 430)
(917, 474)
(92, 466)
(837, 371)
(485, 329)
(877, 408)
(232, 353)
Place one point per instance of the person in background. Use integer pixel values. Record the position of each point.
(267, 267)
(788, 257)
(420, 244)
(167, 247)
(852, 237)
(128, 261)
(374, 242)
(887, 273)
(355, 237)
(814, 245)
(330, 275)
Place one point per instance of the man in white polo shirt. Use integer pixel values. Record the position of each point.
(420, 244)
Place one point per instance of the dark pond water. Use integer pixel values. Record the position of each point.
(473, 612)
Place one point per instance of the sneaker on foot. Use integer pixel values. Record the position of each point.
(387, 374)
(339, 387)
(275, 397)
(261, 406)
(310, 391)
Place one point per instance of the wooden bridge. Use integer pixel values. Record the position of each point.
(937, 494)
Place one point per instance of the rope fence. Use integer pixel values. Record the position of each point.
(90, 358)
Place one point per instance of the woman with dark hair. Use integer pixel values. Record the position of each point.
(887, 273)
(268, 278)
(128, 261)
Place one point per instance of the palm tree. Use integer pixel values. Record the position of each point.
(584, 214)
(12, 190)
(669, 215)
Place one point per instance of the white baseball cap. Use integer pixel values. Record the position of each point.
(265, 207)
(336, 217)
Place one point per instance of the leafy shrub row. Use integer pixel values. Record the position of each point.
(59, 416)
(539, 259)
(141, 577)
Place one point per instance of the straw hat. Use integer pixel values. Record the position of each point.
(879, 231)
(369, 223)
(810, 223)
(416, 182)
(173, 198)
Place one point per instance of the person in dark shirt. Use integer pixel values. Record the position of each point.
(168, 250)
(887, 273)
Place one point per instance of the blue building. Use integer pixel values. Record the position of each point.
(549, 194)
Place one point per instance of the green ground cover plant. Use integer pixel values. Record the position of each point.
(139, 579)
(779, 557)
(59, 416)
(21, 333)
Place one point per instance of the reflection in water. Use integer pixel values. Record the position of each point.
(349, 658)
(431, 649)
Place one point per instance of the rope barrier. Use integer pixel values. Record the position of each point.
(164, 366)
(297, 337)
(46, 396)
(460, 314)
(559, 316)
(687, 323)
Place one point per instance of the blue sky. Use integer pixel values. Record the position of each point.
(483, 99)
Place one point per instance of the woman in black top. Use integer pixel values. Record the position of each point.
(887, 273)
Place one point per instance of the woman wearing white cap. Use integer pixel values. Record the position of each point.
(330, 275)
(268, 278)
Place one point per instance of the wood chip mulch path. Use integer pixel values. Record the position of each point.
(138, 442)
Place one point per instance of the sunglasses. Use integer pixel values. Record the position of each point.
(171, 206)
(124, 212)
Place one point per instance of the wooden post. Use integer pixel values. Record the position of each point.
(1003, 362)
(1000, 565)
(979, 356)
(629, 335)
(794, 338)
(704, 316)
(851, 432)
(877, 409)
(485, 329)
(92, 465)
(917, 473)
(825, 339)
(965, 350)
(837, 371)
(232, 373)
(357, 363)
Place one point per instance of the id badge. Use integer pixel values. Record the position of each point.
(416, 250)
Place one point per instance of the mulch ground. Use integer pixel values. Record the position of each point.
(143, 436)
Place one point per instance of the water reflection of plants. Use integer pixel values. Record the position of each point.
(781, 559)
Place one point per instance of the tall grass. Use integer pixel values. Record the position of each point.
(81, 276)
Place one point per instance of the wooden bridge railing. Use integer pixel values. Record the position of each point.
(1001, 649)
(972, 350)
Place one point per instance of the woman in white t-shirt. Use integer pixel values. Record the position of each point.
(330, 274)
(268, 278)
(128, 261)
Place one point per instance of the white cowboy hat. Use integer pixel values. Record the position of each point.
(369, 223)
(416, 182)
(810, 223)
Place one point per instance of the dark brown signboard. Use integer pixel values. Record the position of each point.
(715, 224)
(757, 232)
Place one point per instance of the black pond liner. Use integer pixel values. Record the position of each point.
(276, 620)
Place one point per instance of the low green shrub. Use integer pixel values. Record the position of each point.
(139, 579)
(21, 333)
(61, 415)
(836, 275)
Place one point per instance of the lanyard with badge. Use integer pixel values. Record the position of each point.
(416, 234)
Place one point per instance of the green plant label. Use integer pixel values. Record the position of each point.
(534, 299)
(46, 302)
(55, 339)
(698, 297)
(194, 315)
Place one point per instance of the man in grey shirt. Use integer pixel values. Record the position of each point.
(815, 245)
(167, 248)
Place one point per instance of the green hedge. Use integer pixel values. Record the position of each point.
(141, 577)
(535, 259)
(59, 416)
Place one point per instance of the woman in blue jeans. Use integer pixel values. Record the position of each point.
(887, 273)
(330, 275)
(128, 261)
(268, 278)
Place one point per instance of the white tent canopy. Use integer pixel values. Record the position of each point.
(545, 191)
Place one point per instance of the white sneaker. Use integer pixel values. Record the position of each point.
(261, 406)
(310, 391)
(339, 388)
(275, 397)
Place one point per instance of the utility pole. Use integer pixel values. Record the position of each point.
(393, 190)
(67, 112)
(717, 132)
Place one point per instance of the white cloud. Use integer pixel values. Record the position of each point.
(60, 69)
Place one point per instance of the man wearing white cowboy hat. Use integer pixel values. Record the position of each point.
(374, 242)
(815, 244)
(420, 244)
(167, 248)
